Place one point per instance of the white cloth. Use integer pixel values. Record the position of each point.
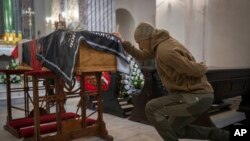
(6, 49)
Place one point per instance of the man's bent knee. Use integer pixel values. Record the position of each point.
(148, 108)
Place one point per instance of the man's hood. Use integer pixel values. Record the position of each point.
(158, 36)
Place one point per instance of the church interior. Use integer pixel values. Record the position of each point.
(64, 76)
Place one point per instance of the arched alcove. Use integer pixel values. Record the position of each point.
(126, 24)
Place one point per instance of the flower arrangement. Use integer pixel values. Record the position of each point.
(13, 78)
(133, 82)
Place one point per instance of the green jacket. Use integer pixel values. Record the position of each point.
(177, 68)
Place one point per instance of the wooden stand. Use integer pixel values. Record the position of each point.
(9, 91)
(87, 64)
(19, 126)
(74, 128)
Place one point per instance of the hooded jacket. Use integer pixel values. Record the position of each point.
(176, 66)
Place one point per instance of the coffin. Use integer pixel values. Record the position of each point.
(92, 60)
(88, 59)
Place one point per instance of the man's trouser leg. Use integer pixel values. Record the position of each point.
(179, 106)
(197, 132)
(157, 113)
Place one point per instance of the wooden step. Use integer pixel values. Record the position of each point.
(119, 98)
(217, 108)
(128, 106)
(95, 101)
(44, 129)
(29, 121)
(52, 127)
(128, 113)
(125, 107)
(122, 99)
(123, 102)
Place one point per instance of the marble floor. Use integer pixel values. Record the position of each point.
(122, 129)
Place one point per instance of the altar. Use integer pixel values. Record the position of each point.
(6, 49)
(6, 52)
(5, 55)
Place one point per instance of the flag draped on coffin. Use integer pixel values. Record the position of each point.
(58, 50)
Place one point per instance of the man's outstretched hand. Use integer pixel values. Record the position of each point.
(118, 35)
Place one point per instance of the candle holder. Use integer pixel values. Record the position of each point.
(6, 37)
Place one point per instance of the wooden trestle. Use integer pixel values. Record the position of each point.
(73, 128)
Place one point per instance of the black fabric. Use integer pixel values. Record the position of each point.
(26, 53)
(105, 42)
(59, 49)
